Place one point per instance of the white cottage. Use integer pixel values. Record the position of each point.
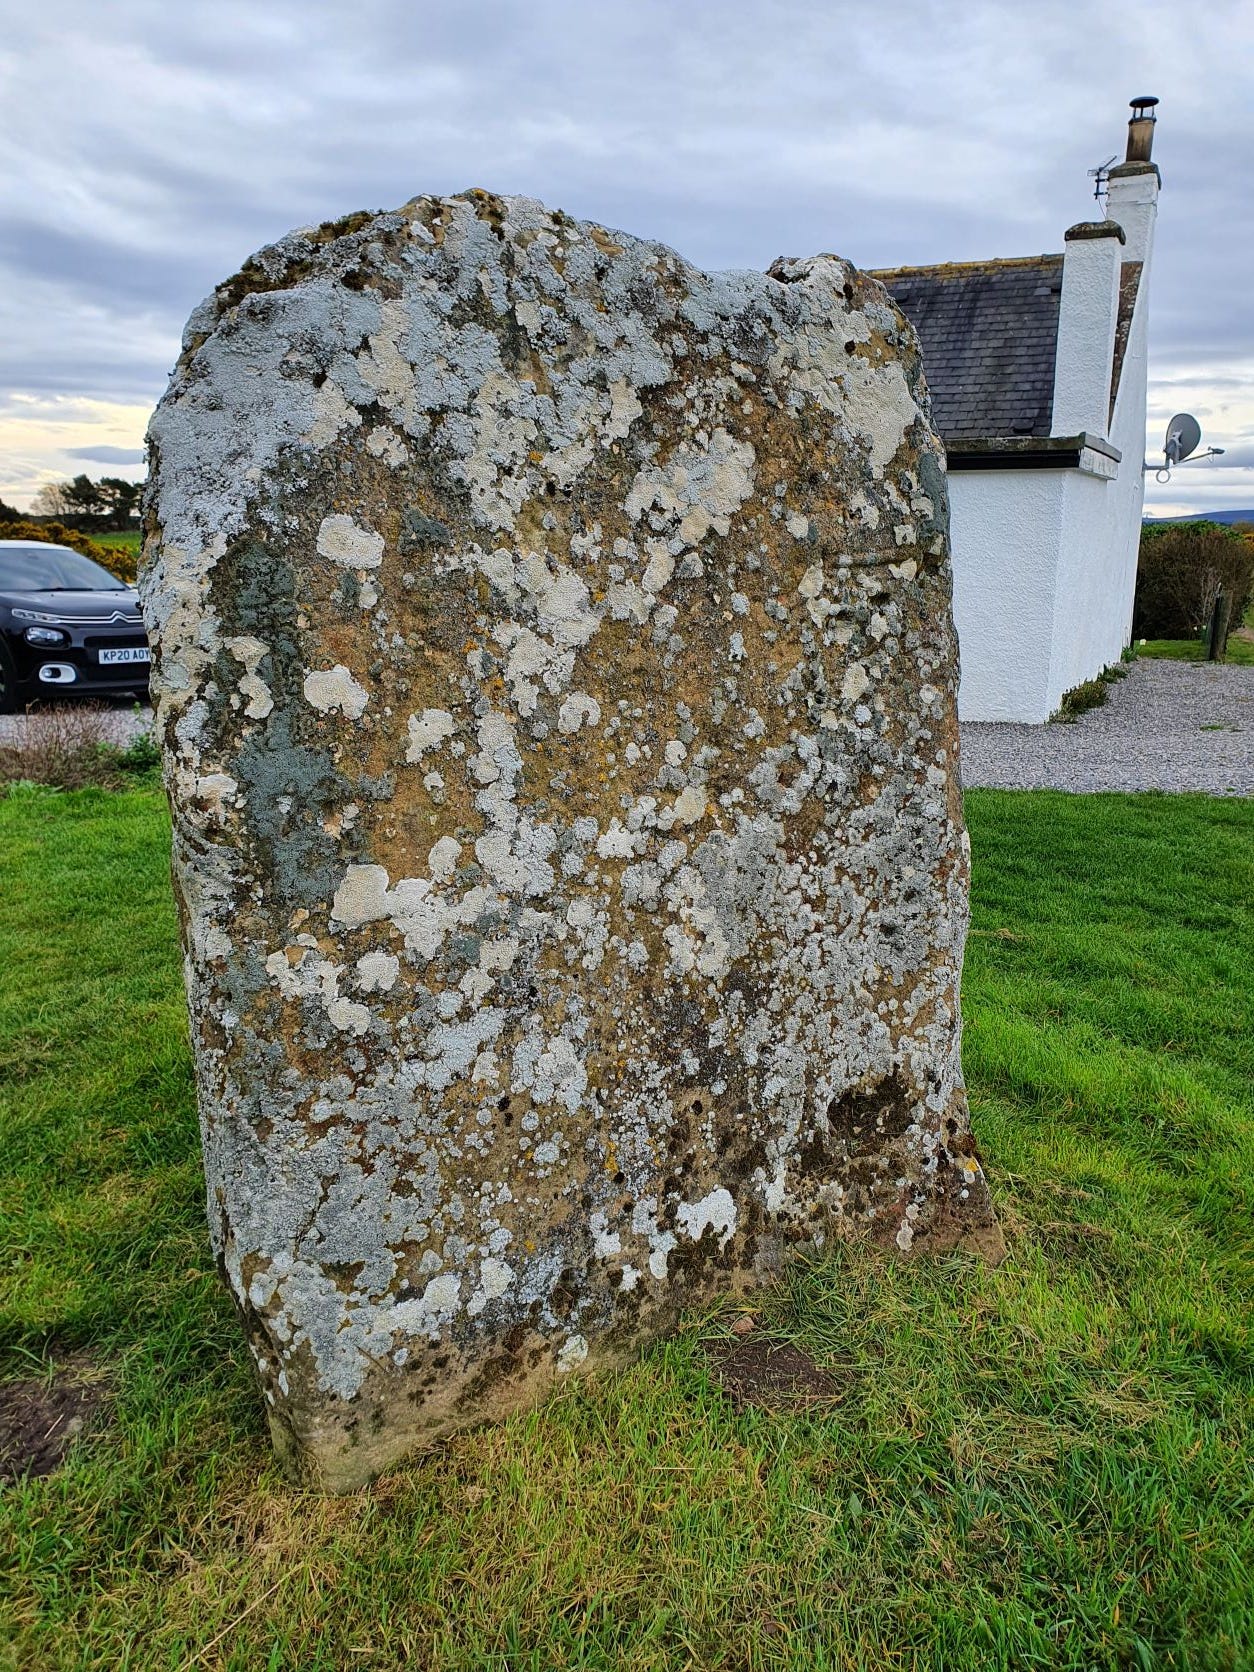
(1037, 368)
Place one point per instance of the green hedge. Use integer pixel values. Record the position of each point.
(1182, 569)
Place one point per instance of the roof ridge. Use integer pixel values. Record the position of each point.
(957, 267)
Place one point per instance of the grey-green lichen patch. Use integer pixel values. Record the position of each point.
(556, 679)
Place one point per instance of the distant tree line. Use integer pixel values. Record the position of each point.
(104, 506)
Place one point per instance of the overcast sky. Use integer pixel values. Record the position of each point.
(147, 147)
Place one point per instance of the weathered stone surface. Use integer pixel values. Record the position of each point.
(556, 678)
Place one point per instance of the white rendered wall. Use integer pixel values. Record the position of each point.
(1132, 200)
(1128, 491)
(1101, 527)
(1045, 560)
(1044, 576)
(1127, 429)
(1087, 316)
(1005, 529)
(1088, 628)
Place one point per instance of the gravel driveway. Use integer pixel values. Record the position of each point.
(1167, 726)
(115, 723)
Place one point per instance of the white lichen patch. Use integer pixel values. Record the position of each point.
(384, 443)
(426, 730)
(258, 698)
(699, 489)
(361, 897)
(335, 691)
(345, 1014)
(443, 858)
(343, 541)
(690, 804)
(856, 683)
(377, 972)
(577, 710)
(215, 792)
(716, 1212)
(572, 1353)
(495, 1277)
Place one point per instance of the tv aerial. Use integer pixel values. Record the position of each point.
(1099, 176)
(1183, 435)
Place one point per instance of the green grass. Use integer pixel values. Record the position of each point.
(126, 541)
(1047, 1465)
(1240, 652)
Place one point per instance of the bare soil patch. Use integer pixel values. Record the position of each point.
(753, 1370)
(40, 1418)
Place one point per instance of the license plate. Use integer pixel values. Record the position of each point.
(129, 653)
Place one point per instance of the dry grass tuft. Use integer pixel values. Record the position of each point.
(72, 746)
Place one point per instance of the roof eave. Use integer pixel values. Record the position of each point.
(1026, 452)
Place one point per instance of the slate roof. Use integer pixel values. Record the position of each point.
(989, 331)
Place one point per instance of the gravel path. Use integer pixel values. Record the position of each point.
(112, 723)
(1167, 726)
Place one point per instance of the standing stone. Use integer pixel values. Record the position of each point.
(556, 680)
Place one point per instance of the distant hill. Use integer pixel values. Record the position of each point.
(1209, 516)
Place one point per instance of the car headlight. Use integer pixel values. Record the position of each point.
(45, 635)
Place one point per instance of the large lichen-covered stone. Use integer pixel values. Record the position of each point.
(556, 679)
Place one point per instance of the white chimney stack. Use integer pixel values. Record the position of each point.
(1132, 187)
(1087, 317)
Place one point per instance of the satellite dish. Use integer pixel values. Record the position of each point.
(1183, 434)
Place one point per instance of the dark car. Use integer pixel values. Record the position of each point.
(66, 625)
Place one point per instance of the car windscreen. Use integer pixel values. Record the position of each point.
(39, 568)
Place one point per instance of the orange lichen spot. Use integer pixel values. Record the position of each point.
(601, 238)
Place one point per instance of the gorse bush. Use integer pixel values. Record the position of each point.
(1182, 569)
(118, 560)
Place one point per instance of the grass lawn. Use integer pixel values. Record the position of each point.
(126, 541)
(129, 542)
(1048, 1465)
(1240, 652)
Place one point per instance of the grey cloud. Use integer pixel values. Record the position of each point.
(182, 138)
(92, 267)
(128, 456)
